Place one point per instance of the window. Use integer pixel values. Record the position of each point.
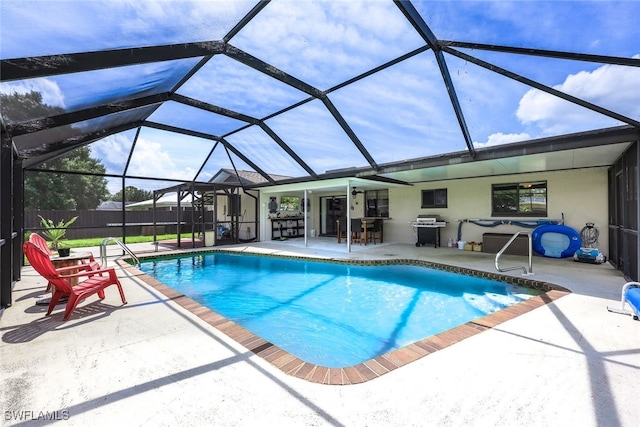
(377, 203)
(526, 199)
(290, 203)
(434, 198)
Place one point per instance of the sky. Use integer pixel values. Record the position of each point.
(400, 113)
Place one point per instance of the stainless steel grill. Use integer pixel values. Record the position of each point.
(427, 229)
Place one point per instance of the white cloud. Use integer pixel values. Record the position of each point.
(502, 138)
(232, 85)
(148, 156)
(154, 159)
(328, 41)
(178, 20)
(50, 91)
(113, 151)
(609, 86)
(31, 28)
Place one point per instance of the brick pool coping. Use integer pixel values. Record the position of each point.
(379, 365)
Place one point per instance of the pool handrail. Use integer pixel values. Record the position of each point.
(504, 248)
(103, 251)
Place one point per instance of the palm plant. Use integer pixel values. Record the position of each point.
(55, 232)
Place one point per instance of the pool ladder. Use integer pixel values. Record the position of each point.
(504, 248)
(103, 251)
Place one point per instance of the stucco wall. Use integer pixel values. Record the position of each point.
(581, 195)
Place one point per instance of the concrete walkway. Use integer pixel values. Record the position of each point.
(152, 363)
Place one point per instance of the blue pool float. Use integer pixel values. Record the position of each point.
(632, 296)
(556, 241)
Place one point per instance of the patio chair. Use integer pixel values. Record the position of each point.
(356, 230)
(342, 229)
(375, 233)
(95, 282)
(85, 264)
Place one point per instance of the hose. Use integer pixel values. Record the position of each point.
(532, 223)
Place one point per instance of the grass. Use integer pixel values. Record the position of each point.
(85, 243)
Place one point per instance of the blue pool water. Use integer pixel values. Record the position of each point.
(332, 314)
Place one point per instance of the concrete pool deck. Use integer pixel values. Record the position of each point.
(152, 362)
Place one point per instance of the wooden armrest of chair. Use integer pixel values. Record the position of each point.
(88, 273)
(85, 267)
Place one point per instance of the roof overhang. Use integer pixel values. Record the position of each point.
(600, 148)
(593, 149)
(338, 185)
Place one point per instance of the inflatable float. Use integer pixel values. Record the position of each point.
(555, 241)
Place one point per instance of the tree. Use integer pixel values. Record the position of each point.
(132, 194)
(56, 190)
(64, 191)
(19, 107)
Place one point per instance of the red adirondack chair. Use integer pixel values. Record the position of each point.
(95, 282)
(85, 265)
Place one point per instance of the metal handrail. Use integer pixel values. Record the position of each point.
(103, 251)
(504, 248)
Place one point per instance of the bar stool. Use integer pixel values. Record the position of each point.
(356, 230)
(342, 229)
(376, 231)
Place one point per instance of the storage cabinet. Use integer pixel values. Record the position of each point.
(287, 227)
(428, 236)
(493, 242)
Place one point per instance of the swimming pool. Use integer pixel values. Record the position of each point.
(333, 314)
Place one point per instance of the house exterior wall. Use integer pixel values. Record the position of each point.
(582, 195)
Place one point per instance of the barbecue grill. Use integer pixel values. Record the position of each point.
(427, 229)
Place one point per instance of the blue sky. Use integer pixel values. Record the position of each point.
(400, 113)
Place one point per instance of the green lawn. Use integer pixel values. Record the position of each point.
(85, 243)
